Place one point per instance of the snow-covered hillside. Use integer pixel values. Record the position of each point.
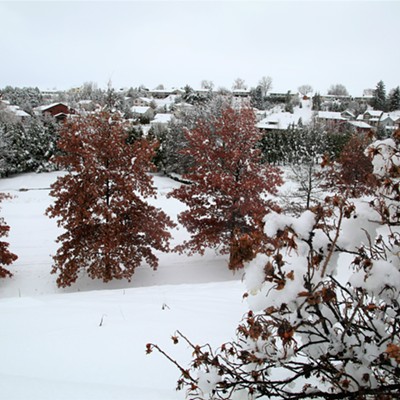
(88, 341)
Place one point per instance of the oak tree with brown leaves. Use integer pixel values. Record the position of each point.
(228, 194)
(6, 257)
(101, 202)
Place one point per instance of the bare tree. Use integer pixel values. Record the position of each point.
(305, 89)
(239, 84)
(338, 90)
(206, 84)
(266, 85)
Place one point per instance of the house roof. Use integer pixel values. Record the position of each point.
(274, 123)
(349, 113)
(144, 99)
(330, 115)
(360, 124)
(374, 113)
(17, 111)
(47, 106)
(140, 109)
(162, 118)
(394, 117)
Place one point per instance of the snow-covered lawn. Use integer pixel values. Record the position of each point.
(88, 341)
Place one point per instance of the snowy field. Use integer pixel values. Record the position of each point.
(88, 341)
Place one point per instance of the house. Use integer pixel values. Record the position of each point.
(277, 121)
(390, 122)
(161, 120)
(331, 119)
(166, 104)
(59, 111)
(348, 115)
(13, 111)
(335, 98)
(371, 117)
(163, 93)
(360, 126)
(364, 99)
(141, 112)
(271, 124)
(141, 102)
(281, 96)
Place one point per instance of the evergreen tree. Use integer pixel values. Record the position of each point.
(379, 97)
(257, 99)
(100, 203)
(316, 102)
(394, 99)
(13, 148)
(288, 103)
(27, 147)
(41, 139)
(25, 98)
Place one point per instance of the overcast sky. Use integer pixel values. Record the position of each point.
(62, 44)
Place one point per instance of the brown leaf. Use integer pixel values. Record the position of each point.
(290, 275)
(393, 351)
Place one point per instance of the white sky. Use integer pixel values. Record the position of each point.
(62, 44)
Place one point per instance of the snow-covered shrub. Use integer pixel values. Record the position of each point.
(324, 319)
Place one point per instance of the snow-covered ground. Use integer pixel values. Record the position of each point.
(88, 341)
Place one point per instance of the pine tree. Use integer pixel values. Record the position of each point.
(41, 138)
(379, 97)
(257, 98)
(226, 200)
(13, 148)
(394, 99)
(6, 257)
(288, 103)
(100, 203)
(316, 102)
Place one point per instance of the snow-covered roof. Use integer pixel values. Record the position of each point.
(47, 106)
(360, 124)
(13, 109)
(140, 109)
(394, 115)
(330, 115)
(168, 101)
(145, 99)
(349, 113)
(17, 111)
(274, 123)
(374, 113)
(162, 118)
(278, 119)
